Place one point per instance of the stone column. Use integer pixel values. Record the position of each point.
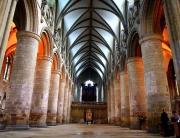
(69, 106)
(18, 100)
(65, 104)
(102, 94)
(172, 16)
(71, 99)
(40, 97)
(136, 91)
(112, 102)
(80, 99)
(125, 107)
(60, 104)
(53, 98)
(117, 99)
(68, 102)
(6, 18)
(109, 104)
(156, 85)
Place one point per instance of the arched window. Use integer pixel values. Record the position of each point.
(8, 67)
(89, 82)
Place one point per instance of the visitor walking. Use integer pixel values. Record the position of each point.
(164, 120)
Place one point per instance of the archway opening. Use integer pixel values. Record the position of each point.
(89, 91)
(171, 76)
(8, 60)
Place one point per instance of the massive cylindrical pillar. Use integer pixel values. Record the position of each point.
(136, 91)
(108, 103)
(125, 107)
(65, 108)
(40, 97)
(69, 106)
(53, 98)
(60, 104)
(117, 100)
(156, 85)
(18, 101)
(112, 102)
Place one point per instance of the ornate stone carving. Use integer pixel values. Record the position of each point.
(117, 53)
(57, 38)
(43, 4)
(47, 13)
(134, 10)
(109, 71)
(123, 40)
(67, 63)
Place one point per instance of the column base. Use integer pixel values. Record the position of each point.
(15, 127)
(152, 130)
(136, 127)
(38, 125)
(51, 124)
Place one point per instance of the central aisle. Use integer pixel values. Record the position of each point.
(79, 131)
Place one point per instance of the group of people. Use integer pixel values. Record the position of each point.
(165, 121)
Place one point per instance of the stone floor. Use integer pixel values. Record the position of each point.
(80, 131)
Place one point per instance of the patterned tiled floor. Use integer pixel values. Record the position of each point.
(80, 131)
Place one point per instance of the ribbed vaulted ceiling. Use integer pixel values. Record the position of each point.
(91, 33)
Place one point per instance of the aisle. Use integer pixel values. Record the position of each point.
(79, 131)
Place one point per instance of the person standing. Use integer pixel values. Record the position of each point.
(174, 117)
(164, 120)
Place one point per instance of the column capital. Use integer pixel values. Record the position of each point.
(29, 34)
(45, 58)
(134, 59)
(55, 72)
(150, 37)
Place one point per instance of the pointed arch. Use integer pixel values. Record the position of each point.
(67, 80)
(32, 18)
(151, 17)
(117, 73)
(45, 45)
(123, 65)
(63, 73)
(133, 46)
(56, 62)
